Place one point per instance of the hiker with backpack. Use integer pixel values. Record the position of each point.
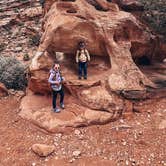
(82, 57)
(56, 80)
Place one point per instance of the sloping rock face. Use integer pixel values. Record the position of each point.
(109, 34)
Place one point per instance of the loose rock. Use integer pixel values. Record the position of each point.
(42, 149)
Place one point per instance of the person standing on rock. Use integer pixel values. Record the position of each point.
(82, 57)
(56, 80)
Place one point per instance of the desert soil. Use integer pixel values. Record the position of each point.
(138, 139)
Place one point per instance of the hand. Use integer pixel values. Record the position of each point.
(57, 83)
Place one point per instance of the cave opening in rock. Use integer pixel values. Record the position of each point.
(97, 67)
(143, 61)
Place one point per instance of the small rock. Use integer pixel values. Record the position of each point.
(12, 91)
(76, 153)
(18, 49)
(33, 164)
(121, 121)
(140, 133)
(42, 149)
(124, 143)
(72, 160)
(20, 94)
(127, 162)
(77, 132)
(162, 125)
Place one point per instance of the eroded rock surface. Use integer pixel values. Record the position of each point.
(37, 109)
(43, 150)
(109, 34)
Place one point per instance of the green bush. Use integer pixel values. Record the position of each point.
(155, 14)
(2, 47)
(12, 73)
(26, 57)
(34, 40)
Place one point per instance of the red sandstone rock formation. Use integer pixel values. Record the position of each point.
(109, 34)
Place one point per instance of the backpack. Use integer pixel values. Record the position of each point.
(84, 53)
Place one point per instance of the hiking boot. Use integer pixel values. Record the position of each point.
(62, 105)
(79, 78)
(56, 110)
(85, 78)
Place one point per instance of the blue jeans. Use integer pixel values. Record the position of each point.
(82, 66)
(54, 97)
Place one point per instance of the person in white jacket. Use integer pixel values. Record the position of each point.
(56, 79)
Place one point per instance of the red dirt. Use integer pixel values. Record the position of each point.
(133, 141)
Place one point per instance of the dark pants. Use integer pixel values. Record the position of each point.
(82, 67)
(54, 97)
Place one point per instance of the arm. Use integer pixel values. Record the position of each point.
(88, 56)
(51, 81)
(77, 56)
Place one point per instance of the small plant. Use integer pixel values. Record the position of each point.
(12, 73)
(34, 40)
(26, 57)
(1, 10)
(2, 47)
(16, 10)
(21, 24)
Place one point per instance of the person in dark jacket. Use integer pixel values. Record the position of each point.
(56, 80)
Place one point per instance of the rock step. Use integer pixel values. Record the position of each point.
(37, 109)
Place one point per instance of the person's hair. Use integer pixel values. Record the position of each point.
(81, 44)
(55, 63)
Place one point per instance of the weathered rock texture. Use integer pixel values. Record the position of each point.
(109, 34)
(43, 150)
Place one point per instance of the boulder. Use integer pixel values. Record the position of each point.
(37, 109)
(43, 150)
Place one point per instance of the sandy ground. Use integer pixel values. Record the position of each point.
(137, 140)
